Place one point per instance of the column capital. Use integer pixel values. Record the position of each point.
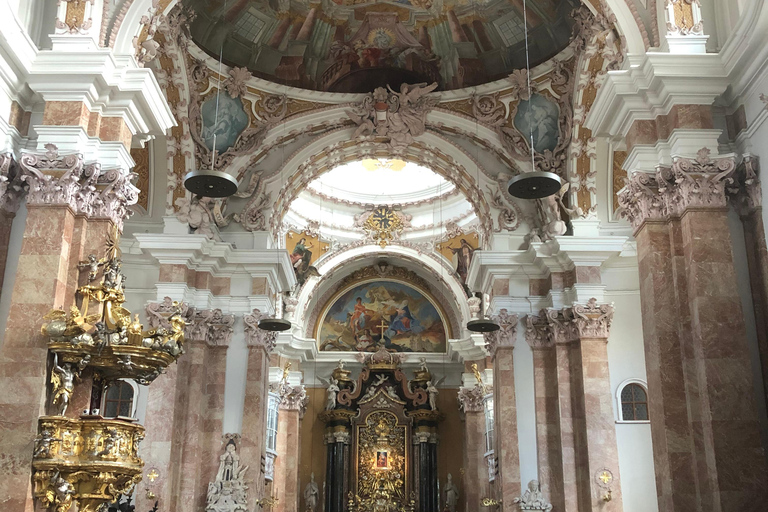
(211, 326)
(159, 313)
(746, 193)
(293, 398)
(256, 337)
(471, 399)
(11, 186)
(591, 320)
(537, 331)
(65, 180)
(696, 182)
(505, 336)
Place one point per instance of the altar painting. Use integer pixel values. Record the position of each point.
(356, 318)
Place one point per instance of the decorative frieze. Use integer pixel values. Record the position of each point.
(256, 337)
(505, 336)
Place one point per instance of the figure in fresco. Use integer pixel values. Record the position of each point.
(358, 320)
(402, 321)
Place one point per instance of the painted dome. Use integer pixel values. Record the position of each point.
(358, 45)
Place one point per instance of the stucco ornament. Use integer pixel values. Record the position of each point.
(202, 214)
(12, 188)
(400, 116)
(256, 337)
(228, 492)
(293, 398)
(593, 320)
(537, 331)
(471, 399)
(146, 49)
(211, 326)
(640, 200)
(254, 217)
(505, 336)
(65, 180)
(533, 499)
(696, 182)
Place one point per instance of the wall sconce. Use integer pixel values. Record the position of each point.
(604, 479)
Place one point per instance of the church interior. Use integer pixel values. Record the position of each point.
(383, 256)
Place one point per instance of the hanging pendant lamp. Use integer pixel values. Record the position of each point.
(534, 185)
(210, 183)
(274, 324)
(482, 325)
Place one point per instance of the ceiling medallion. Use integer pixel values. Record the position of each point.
(382, 225)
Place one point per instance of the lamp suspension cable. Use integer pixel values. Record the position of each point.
(534, 184)
(277, 323)
(210, 182)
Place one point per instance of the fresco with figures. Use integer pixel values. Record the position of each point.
(303, 250)
(355, 319)
(358, 45)
(459, 250)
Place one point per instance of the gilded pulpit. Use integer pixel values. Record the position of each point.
(381, 438)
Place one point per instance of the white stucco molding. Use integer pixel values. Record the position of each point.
(651, 85)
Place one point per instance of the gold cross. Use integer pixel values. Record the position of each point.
(382, 326)
(605, 477)
(152, 475)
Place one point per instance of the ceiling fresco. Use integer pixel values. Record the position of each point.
(357, 45)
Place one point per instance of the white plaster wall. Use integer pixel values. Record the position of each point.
(526, 409)
(626, 360)
(234, 387)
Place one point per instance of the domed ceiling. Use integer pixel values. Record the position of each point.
(358, 45)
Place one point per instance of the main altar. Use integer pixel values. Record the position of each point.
(381, 438)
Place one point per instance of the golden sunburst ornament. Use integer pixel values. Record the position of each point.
(382, 225)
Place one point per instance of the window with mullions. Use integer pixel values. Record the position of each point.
(512, 30)
(634, 403)
(249, 26)
(272, 411)
(118, 399)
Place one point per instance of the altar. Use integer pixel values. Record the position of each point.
(381, 438)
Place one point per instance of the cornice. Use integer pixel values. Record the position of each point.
(218, 258)
(651, 86)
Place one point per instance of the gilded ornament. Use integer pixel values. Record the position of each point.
(383, 225)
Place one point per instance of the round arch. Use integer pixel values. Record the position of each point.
(336, 147)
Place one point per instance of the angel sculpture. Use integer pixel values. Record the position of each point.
(92, 264)
(431, 389)
(333, 389)
(43, 444)
(550, 212)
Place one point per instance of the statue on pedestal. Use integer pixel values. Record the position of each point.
(533, 499)
(227, 492)
(451, 494)
(311, 495)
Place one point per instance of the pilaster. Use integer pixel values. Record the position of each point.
(501, 345)
(293, 405)
(475, 468)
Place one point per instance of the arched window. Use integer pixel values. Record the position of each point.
(633, 401)
(118, 399)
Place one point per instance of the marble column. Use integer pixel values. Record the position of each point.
(11, 191)
(552, 392)
(253, 449)
(482, 35)
(501, 346)
(748, 203)
(45, 265)
(456, 31)
(309, 24)
(212, 332)
(280, 31)
(293, 405)
(167, 404)
(698, 337)
(475, 468)
(337, 440)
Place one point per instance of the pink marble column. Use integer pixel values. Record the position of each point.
(260, 344)
(212, 331)
(44, 263)
(702, 326)
(293, 405)
(748, 202)
(280, 31)
(10, 199)
(168, 402)
(501, 345)
(475, 468)
(456, 31)
(554, 450)
(309, 24)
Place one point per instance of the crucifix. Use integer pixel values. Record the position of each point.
(382, 326)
